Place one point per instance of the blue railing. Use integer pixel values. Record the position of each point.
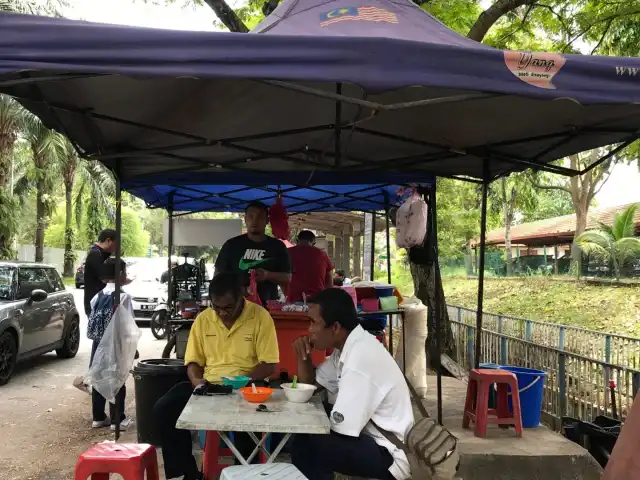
(580, 363)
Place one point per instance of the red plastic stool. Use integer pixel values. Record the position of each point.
(130, 460)
(476, 406)
(211, 466)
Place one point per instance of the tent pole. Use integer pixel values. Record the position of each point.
(337, 128)
(170, 251)
(373, 246)
(118, 283)
(386, 216)
(483, 234)
(437, 284)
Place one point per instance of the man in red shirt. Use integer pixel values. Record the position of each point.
(312, 268)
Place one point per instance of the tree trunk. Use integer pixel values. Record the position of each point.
(508, 256)
(428, 283)
(581, 226)
(41, 219)
(68, 232)
(227, 16)
(492, 14)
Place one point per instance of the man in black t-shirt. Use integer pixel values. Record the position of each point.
(255, 250)
(98, 253)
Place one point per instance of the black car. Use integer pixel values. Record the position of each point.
(37, 315)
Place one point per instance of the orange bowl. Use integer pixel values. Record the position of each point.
(262, 394)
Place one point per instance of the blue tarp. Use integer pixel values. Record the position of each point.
(234, 198)
(321, 93)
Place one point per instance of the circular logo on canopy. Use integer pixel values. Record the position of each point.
(337, 417)
(537, 69)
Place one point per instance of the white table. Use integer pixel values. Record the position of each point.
(232, 413)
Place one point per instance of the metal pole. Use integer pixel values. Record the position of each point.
(170, 251)
(433, 214)
(117, 279)
(483, 234)
(386, 211)
(373, 246)
(337, 130)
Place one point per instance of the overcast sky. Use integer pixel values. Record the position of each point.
(623, 186)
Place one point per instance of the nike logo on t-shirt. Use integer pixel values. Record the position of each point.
(252, 258)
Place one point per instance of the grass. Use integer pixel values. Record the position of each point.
(609, 308)
(69, 281)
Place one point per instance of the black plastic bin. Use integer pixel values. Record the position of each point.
(598, 437)
(153, 378)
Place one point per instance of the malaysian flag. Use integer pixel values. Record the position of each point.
(367, 14)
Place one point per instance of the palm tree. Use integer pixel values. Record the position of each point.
(10, 121)
(45, 145)
(613, 243)
(69, 164)
(94, 201)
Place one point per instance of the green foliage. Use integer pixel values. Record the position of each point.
(611, 309)
(613, 243)
(459, 15)
(134, 240)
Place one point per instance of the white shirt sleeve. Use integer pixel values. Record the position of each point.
(358, 399)
(327, 373)
(94, 300)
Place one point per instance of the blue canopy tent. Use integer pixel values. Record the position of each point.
(333, 103)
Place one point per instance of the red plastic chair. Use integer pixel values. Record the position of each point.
(130, 460)
(211, 466)
(476, 406)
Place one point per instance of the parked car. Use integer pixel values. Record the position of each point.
(37, 315)
(80, 276)
(145, 288)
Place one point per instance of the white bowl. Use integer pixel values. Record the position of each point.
(301, 394)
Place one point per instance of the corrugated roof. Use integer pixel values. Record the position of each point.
(557, 230)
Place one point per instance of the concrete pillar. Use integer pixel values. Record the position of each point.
(330, 249)
(357, 256)
(337, 254)
(346, 255)
(555, 259)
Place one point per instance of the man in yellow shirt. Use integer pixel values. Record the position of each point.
(233, 337)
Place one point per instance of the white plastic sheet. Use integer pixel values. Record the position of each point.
(115, 355)
(415, 324)
(411, 222)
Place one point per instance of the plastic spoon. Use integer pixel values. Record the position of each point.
(253, 388)
(294, 384)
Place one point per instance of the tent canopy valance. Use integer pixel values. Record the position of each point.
(322, 93)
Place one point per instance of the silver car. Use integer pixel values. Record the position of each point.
(37, 315)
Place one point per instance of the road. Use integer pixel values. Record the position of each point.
(45, 422)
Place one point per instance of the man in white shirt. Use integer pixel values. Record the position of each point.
(365, 386)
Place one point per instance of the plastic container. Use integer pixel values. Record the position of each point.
(384, 291)
(301, 394)
(153, 378)
(236, 382)
(261, 395)
(378, 322)
(352, 292)
(370, 305)
(389, 303)
(365, 292)
(530, 385)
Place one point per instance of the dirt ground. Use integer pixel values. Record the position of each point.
(45, 423)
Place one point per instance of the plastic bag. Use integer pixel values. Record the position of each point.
(115, 354)
(411, 222)
(279, 220)
(415, 325)
(252, 294)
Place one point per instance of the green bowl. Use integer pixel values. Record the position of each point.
(236, 382)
